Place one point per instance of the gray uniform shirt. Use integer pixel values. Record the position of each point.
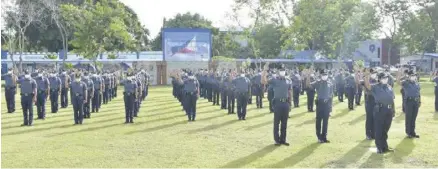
(324, 89)
(241, 84)
(281, 87)
(27, 85)
(191, 85)
(383, 94)
(130, 86)
(411, 88)
(9, 80)
(55, 83)
(79, 88)
(43, 83)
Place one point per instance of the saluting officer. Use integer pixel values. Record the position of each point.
(242, 87)
(55, 86)
(43, 85)
(10, 90)
(324, 90)
(369, 103)
(384, 101)
(191, 95)
(90, 93)
(282, 88)
(79, 95)
(28, 89)
(411, 89)
(98, 88)
(296, 84)
(310, 90)
(130, 94)
(65, 82)
(358, 95)
(350, 89)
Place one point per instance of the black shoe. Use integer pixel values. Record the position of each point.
(311, 111)
(277, 144)
(326, 141)
(380, 151)
(135, 116)
(320, 141)
(369, 138)
(286, 144)
(131, 121)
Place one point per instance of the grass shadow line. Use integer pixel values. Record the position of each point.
(250, 158)
(295, 158)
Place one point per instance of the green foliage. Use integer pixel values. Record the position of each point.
(222, 59)
(51, 56)
(268, 41)
(112, 56)
(68, 66)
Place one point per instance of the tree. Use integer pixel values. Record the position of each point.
(268, 40)
(97, 27)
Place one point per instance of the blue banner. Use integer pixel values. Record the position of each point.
(184, 44)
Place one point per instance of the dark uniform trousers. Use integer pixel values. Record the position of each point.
(136, 107)
(369, 110)
(349, 92)
(340, 89)
(78, 107)
(310, 98)
(106, 94)
(296, 96)
(436, 98)
(242, 102)
(95, 105)
(270, 97)
(231, 101)
(64, 97)
(323, 107)
(110, 93)
(10, 98)
(303, 83)
(259, 95)
(412, 106)
(27, 105)
(209, 93)
(382, 122)
(87, 113)
(201, 89)
(54, 95)
(281, 115)
(223, 98)
(115, 90)
(216, 92)
(358, 96)
(190, 104)
(129, 99)
(41, 103)
(403, 100)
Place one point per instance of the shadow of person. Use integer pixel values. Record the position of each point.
(250, 158)
(374, 161)
(353, 155)
(295, 158)
(403, 149)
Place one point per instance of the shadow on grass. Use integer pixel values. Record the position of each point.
(295, 158)
(342, 114)
(158, 127)
(400, 117)
(403, 149)
(374, 161)
(310, 121)
(250, 158)
(86, 129)
(259, 125)
(357, 120)
(213, 127)
(353, 155)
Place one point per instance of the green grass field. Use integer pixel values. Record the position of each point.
(162, 137)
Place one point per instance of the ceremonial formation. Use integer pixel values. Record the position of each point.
(284, 87)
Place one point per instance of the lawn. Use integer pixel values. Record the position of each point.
(162, 137)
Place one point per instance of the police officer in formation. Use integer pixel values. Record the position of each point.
(107, 82)
(97, 95)
(223, 90)
(65, 83)
(434, 79)
(259, 89)
(130, 94)
(55, 87)
(139, 89)
(28, 92)
(191, 95)
(230, 92)
(369, 103)
(90, 94)
(411, 89)
(10, 90)
(242, 86)
(296, 84)
(310, 90)
(350, 88)
(43, 85)
(79, 95)
(340, 85)
(359, 78)
(384, 109)
(282, 88)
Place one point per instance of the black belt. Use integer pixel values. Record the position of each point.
(389, 106)
(282, 100)
(324, 100)
(128, 93)
(78, 94)
(26, 94)
(413, 98)
(190, 93)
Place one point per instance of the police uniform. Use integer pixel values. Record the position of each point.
(242, 87)
(258, 90)
(340, 84)
(359, 90)
(55, 86)
(10, 90)
(216, 89)
(411, 89)
(79, 95)
(191, 93)
(230, 94)
(383, 113)
(130, 94)
(137, 101)
(65, 82)
(324, 90)
(350, 89)
(369, 106)
(296, 84)
(281, 87)
(97, 98)
(435, 81)
(210, 83)
(43, 92)
(107, 83)
(90, 94)
(28, 91)
(223, 92)
(271, 92)
(310, 91)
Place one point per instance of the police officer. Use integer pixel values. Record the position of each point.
(90, 94)
(403, 78)
(324, 90)
(310, 90)
(340, 84)
(384, 110)
(116, 83)
(10, 90)
(434, 78)
(230, 93)
(359, 78)
(242, 87)
(258, 89)
(411, 89)
(369, 103)
(282, 88)
(271, 91)
(223, 91)
(210, 83)
(79, 98)
(28, 89)
(191, 95)
(65, 82)
(43, 85)
(130, 95)
(296, 84)
(97, 95)
(138, 98)
(55, 86)
(216, 88)
(350, 89)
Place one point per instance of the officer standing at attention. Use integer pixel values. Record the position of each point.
(271, 91)
(55, 86)
(10, 90)
(43, 85)
(384, 101)
(210, 79)
(65, 82)
(223, 91)
(191, 95)
(296, 84)
(130, 95)
(90, 91)
(369, 103)
(359, 78)
(403, 78)
(97, 95)
(216, 88)
(230, 93)
(258, 89)
(324, 90)
(282, 88)
(107, 81)
(340, 83)
(310, 90)
(79, 95)
(411, 89)
(28, 89)
(350, 89)
(242, 85)
(138, 99)
(434, 78)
